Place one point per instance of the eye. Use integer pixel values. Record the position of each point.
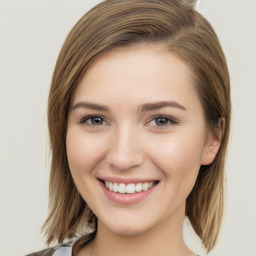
(162, 121)
(93, 121)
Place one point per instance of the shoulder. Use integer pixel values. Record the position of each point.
(64, 249)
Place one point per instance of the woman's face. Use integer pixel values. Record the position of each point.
(136, 126)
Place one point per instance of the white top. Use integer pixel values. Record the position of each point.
(63, 251)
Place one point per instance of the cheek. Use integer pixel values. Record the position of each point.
(179, 158)
(83, 152)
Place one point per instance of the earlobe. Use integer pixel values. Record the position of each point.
(213, 143)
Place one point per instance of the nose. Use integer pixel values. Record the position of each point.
(125, 150)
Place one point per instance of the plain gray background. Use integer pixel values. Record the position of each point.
(31, 35)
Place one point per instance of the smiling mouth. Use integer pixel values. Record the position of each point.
(131, 188)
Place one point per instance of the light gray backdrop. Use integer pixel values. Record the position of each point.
(31, 35)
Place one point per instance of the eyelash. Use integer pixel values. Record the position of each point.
(171, 121)
(87, 118)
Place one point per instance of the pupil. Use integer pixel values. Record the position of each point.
(161, 121)
(97, 120)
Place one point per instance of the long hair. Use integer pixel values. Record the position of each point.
(119, 23)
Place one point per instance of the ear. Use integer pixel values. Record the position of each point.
(213, 142)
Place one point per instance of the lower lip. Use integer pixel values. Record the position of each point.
(126, 198)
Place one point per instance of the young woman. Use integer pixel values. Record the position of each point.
(139, 117)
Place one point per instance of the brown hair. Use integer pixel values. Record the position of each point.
(118, 23)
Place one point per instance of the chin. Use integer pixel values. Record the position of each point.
(125, 227)
(128, 231)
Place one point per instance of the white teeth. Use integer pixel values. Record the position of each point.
(110, 186)
(129, 188)
(121, 188)
(138, 187)
(115, 187)
(145, 186)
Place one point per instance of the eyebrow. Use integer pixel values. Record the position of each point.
(143, 108)
(161, 104)
(90, 105)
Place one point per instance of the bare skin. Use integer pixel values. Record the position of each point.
(136, 115)
(151, 243)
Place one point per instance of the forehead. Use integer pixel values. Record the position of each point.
(147, 72)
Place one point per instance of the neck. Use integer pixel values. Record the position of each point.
(166, 238)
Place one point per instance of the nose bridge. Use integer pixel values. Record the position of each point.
(125, 151)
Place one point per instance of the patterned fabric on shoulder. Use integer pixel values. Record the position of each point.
(64, 249)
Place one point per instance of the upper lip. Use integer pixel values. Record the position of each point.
(125, 181)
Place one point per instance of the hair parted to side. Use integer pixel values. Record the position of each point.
(119, 23)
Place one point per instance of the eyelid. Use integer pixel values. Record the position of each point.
(84, 120)
(172, 120)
